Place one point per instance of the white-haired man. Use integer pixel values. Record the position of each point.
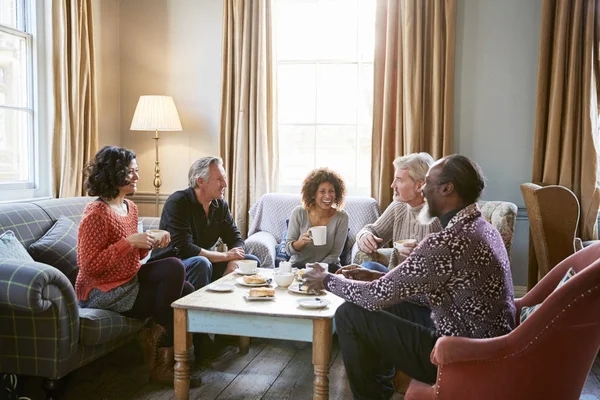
(400, 220)
(196, 218)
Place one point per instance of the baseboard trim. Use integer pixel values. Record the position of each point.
(149, 197)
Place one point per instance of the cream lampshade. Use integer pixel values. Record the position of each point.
(156, 113)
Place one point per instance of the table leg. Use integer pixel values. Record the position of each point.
(182, 343)
(321, 356)
(244, 344)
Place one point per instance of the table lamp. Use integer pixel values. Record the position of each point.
(156, 113)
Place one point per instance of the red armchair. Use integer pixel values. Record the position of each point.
(547, 357)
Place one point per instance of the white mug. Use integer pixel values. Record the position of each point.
(319, 235)
(246, 266)
(285, 266)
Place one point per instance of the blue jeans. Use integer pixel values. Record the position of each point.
(375, 266)
(199, 271)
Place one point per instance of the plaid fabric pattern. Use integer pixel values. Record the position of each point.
(42, 330)
(528, 310)
(103, 326)
(58, 247)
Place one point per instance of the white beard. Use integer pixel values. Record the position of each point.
(425, 217)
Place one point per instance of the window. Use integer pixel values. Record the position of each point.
(325, 89)
(19, 145)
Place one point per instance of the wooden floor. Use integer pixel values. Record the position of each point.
(272, 369)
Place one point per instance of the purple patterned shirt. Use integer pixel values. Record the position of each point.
(463, 271)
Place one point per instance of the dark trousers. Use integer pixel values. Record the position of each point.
(161, 283)
(374, 343)
(200, 271)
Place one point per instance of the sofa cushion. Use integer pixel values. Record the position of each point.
(102, 326)
(58, 247)
(528, 310)
(10, 247)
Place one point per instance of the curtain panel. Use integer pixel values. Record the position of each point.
(248, 129)
(75, 134)
(413, 85)
(566, 122)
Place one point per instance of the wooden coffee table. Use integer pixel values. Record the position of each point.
(229, 313)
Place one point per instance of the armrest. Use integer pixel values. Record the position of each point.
(262, 244)
(454, 349)
(34, 296)
(24, 285)
(578, 244)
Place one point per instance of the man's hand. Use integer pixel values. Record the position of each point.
(407, 248)
(237, 253)
(362, 274)
(369, 243)
(315, 277)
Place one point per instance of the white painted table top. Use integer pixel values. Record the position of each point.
(284, 305)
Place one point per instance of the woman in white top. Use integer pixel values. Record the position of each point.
(323, 193)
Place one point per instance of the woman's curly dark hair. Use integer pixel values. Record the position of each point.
(314, 179)
(108, 171)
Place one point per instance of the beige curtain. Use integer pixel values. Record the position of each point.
(75, 139)
(414, 84)
(248, 131)
(566, 121)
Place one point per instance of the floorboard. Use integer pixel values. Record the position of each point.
(272, 370)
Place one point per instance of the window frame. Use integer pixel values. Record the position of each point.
(37, 35)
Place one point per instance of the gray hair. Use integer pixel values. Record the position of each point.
(200, 169)
(417, 164)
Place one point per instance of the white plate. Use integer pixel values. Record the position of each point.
(238, 271)
(248, 298)
(313, 303)
(241, 282)
(294, 288)
(220, 287)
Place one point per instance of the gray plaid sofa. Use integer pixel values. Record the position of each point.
(42, 330)
(268, 216)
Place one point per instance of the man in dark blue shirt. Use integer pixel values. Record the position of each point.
(196, 218)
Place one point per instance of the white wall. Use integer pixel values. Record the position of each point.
(106, 33)
(496, 80)
(171, 47)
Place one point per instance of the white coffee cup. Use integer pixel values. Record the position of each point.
(157, 233)
(246, 266)
(319, 235)
(401, 244)
(285, 266)
(283, 279)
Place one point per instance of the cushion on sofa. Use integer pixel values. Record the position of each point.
(58, 247)
(10, 247)
(103, 326)
(528, 310)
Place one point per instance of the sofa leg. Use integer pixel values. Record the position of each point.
(52, 388)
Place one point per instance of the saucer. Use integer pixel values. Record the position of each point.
(249, 298)
(237, 271)
(295, 288)
(220, 287)
(313, 303)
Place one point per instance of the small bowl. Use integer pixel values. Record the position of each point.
(283, 279)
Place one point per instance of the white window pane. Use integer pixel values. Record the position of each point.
(366, 30)
(15, 143)
(337, 25)
(296, 93)
(365, 96)
(336, 149)
(11, 12)
(13, 70)
(337, 94)
(295, 36)
(297, 153)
